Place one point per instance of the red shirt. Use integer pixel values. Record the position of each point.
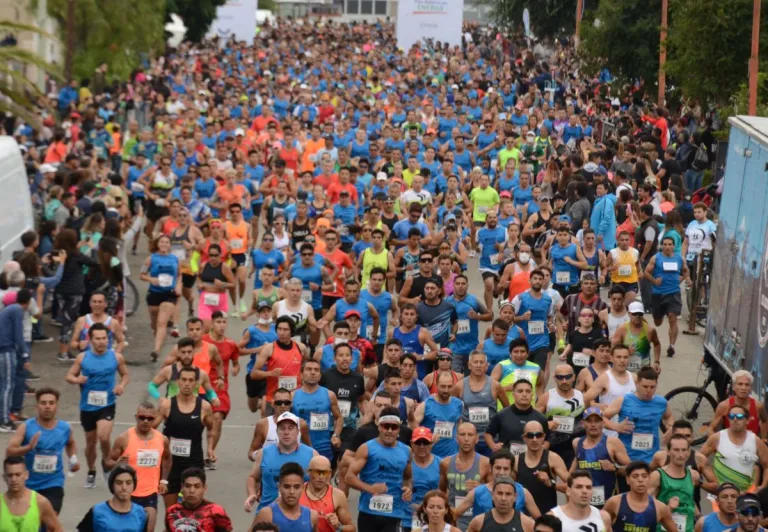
(341, 260)
(208, 517)
(228, 350)
(335, 188)
(291, 158)
(367, 354)
(325, 180)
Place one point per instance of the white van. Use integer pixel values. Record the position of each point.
(16, 214)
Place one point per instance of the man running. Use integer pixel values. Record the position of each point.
(385, 305)
(675, 483)
(119, 512)
(329, 502)
(80, 333)
(578, 513)
(614, 383)
(623, 263)
(725, 518)
(94, 370)
(184, 358)
(287, 512)
(255, 337)
(616, 313)
(508, 424)
(538, 468)
(20, 507)
(414, 338)
(503, 516)
(206, 356)
(602, 363)
(441, 413)
(469, 311)
(563, 406)
(742, 395)
(637, 509)
(639, 337)
(533, 310)
(148, 452)
(518, 367)
(265, 431)
(194, 512)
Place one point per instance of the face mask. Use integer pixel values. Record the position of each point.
(524, 258)
(265, 321)
(339, 341)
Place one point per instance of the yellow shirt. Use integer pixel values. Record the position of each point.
(408, 176)
(626, 261)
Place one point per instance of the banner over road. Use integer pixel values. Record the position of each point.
(235, 18)
(439, 20)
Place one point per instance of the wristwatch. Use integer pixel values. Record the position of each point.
(164, 482)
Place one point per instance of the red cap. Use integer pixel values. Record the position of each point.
(352, 313)
(421, 433)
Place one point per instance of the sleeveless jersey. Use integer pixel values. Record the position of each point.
(145, 456)
(44, 462)
(302, 524)
(323, 506)
(315, 409)
(603, 482)
(615, 390)
(443, 420)
(385, 464)
(683, 489)
(27, 522)
(271, 462)
(593, 523)
(735, 463)
(627, 520)
(290, 362)
(425, 479)
(97, 392)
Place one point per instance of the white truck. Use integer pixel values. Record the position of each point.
(16, 213)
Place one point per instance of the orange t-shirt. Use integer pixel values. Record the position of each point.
(149, 452)
(56, 153)
(232, 195)
(341, 260)
(335, 188)
(237, 235)
(291, 158)
(310, 148)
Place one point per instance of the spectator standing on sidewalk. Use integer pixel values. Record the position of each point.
(13, 351)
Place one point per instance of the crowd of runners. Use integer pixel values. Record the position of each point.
(327, 195)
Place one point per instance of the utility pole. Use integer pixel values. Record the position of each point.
(69, 53)
(579, 10)
(753, 63)
(663, 52)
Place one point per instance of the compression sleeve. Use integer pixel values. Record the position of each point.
(154, 393)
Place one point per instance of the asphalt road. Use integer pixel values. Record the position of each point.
(226, 485)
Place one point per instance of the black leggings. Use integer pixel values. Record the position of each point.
(378, 523)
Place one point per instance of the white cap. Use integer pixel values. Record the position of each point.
(381, 176)
(303, 86)
(47, 168)
(287, 416)
(636, 307)
(239, 132)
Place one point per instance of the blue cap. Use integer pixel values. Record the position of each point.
(564, 218)
(593, 410)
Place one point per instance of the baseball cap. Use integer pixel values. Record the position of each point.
(636, 308)
(287, 416)
(351, 313)
(445, 352)
(264, 305)
(592, 411)
(505, 194)
(47, 168)
(239, 132)
(530, 134)
(381, 176)
(747, 501)
(450, 218)
(564, 218)
(421, 433)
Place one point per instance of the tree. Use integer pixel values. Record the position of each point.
(549, 18)
(196, 14)
(117, 33)
(709, 47)
(623, 36)
(17, 93)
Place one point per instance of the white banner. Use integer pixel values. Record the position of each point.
(236, 17)
(439, 20)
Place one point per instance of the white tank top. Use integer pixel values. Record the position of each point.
(614, 322)
(299, 317)
(271, 438)
(593, 523)
(740, 459)
(615, 390)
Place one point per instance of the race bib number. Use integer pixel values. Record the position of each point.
(494, 259)
(564, 424)
(642, 442)
(137, 187)
(416, 523)
(289, 383)
(521, 375)
(44, 463)
(318, 421)
(670, 267)
(382, 504)
(479, 414)
(97, 398)
(147, 458)
(306, 296)
(444, 429)
(598, 496)
(236, 243)
(410, 273)
(211, 299)
(345, 407)
(165, 280)
(634, 364)
(581, 360)
(482, 209)
(180, 254)
(516, 448)
(625, 270)
(463, 327)
(680, 521)
(535, 327)
(563, 277)
(181, 447)
(459, 501)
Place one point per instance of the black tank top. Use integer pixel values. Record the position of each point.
(299, 233)
(181, 426)
(490, 524)
(210, 273)
(546, 498)
(389, 222)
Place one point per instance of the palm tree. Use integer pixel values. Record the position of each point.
(18, 95)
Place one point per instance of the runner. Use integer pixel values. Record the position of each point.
(185, 355)
(239, 239)
(567, 261)
(255, 337)
(215, 279)
(503, 516)
(43, 441)
(287, 512)
(161, 270)
(265, 431)
(637, 508)
(414, 338)
(639, 337)
(598, 454)
(616, 314)
(498, 347)
(441, 413)
(94, 371)
(623, 263)
(184, 239)
(507, 425)
(742, 389)
(563, 406)
(490, 241)
(538, 468)
(21, 508)
(329, 502)
(384, 304)
(268, 461)
(206, 356)
(119, 512)
(533, 310)
(377, 257)
(381, 471)
(725, 517)
(194, 510)
(516, 275)
(426, 474)
(436, 514)
(676, 481)
(299, 312)
(469, 311)
(444, 362)
(98, 304)
(518, 367)
(185, 416)
(314, 278)
(588, 376)
(699, 238)
(148, 452)
(580, 350)
(578, 513)
(588, 297)
(614, 383)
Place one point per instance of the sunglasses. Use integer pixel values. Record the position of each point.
(425, 260)
(145, 418)
(637, 314)
(306, 254)
(422, 443)
(750, 512)
(444, 358)
(320, 472)
(214, 256)
(389, 426)
(268, 240)
(564, 377)
(735, 416)
(534, 435)
(283, 403)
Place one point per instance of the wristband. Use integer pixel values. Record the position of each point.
(211, 395)
(154, 393)
(164, 482)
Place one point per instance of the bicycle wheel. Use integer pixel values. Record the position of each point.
(696, 406)
(131, 297)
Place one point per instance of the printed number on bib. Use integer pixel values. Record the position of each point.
(345, 407)
(137, 187)
(180, 254)
(581, 360)
(97, 398)
(306, 296)
(516, 448)
(211, 299)
(598, 496)
(563, 277)
(680, 521)
(44, 463)
(463, 327)
(479, 414)
(564, 424)
(318, 421)
(459, 502)
(181, 447)
(625, 270)
(524, 376)
(165, 280)
(635, 363)
(494, 259)
(236, 243)
(147, 458)
(289, 383)
(670, 267)
(416, 523)
(642, 442)
(382, 504)
(444, 429)
(535, 327)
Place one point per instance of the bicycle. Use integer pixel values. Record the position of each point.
(130, 297)
(698, 294)
(695, 404)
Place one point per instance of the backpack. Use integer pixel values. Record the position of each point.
(701, 159)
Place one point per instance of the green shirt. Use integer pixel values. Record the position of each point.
(505, 155)
(483, 201)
